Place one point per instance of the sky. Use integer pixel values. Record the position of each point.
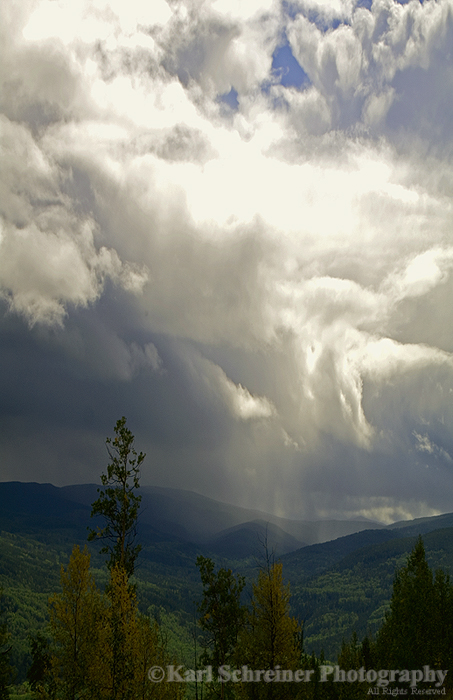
(231, 222)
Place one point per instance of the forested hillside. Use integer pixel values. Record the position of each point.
(337, 588)
(354, 593)
(332, 600)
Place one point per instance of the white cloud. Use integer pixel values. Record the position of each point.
(424, 444)
(94, 21)
(244, 405)
(43, 272)
(49, 257)
(368, 68)
(424, 272)
(242, 9)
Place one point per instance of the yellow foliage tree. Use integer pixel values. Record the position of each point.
(271, 638)
(134, 646)
(77, 619)
(102, 647)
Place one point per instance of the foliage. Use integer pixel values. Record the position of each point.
(30, 572)
(5, 649)
(418, 628)
(221, 614)
(354, 593)
(132, 645)
(121, 641)
(39, 674)
(101, 647)
(417, 631)
(77, 622)
(118, 503)
(271, 638)
(354, 656)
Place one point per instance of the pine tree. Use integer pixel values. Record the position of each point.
(443, 623)
(221, 617)
(418, 628)
(118, 504)
(352, 657)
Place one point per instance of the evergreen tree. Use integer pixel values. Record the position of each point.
(418, 628)
(118, 503)
(352, 657)
(443, 623)
(221, 617)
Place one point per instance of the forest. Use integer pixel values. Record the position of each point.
(110, 630)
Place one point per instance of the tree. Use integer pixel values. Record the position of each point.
(5, 648)
(354, 656)
(77, 619)
(118, 503)
(39, 674)
(221, 615)
(271, 637)
(418, 628)
(101, 647)
(443, 622)
(131, 645)
(121, 642)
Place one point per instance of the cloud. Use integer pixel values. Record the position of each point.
(424, 444)
(256, 285)
(49, 258)
(380, 68)
(243, 404)
(424, 272)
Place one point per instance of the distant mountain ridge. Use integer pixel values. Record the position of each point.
(418, 526)
(224, 529)
(173, 513)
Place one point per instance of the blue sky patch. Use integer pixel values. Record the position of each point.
(230, 99)
(289, 71)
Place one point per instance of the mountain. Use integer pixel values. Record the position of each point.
(29, 507)
(311, 561)
(202, 520)
(168, 514)
(419, 526)
(178, 515)
(240, 541)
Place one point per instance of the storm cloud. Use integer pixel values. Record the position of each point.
(231, 222)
